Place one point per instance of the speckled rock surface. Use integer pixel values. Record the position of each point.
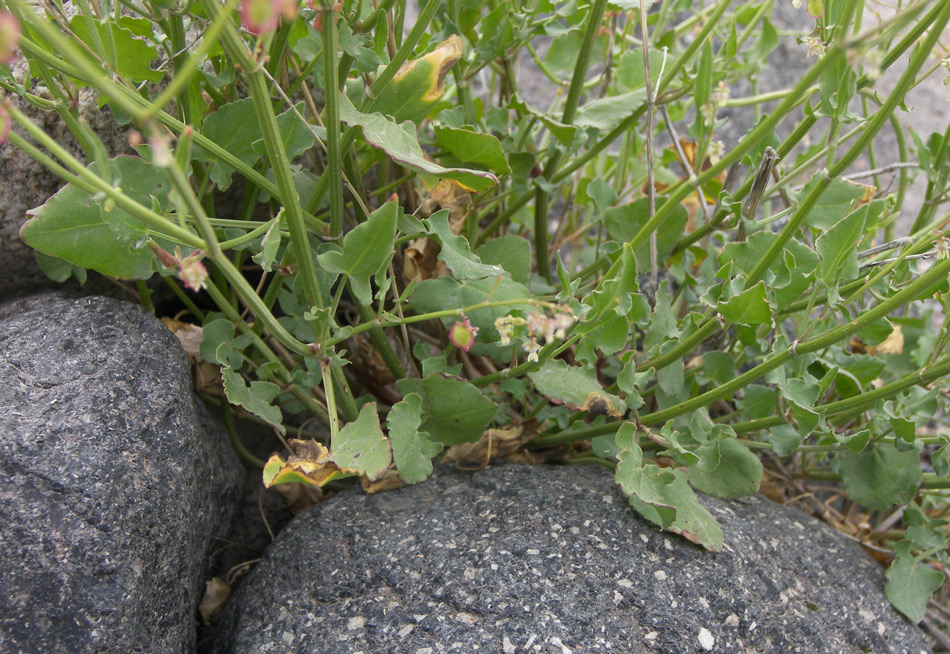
(523, 558)
(114, 481)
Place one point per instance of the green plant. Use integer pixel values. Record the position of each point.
(692, 309)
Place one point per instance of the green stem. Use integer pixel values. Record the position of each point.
(857, 149)
(331, 117)
(581, 69)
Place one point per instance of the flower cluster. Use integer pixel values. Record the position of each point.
(535, 328)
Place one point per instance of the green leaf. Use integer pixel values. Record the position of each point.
(270, 244)
(513, 253)
(87, 231)
(576, 388)
(257, 398)
(748, 308)
(361, 445)
(838, 250)
(412, 449)
(719, 367)
(446, 293)
(472, 147)
(295, 136)
(455, 411)
(59, 270)
(625, 221)
(132, 55)
(367, 250)
(910, 583)
(738, 474)
(662, 495)
(233, 127)
(835, 202)
(606, 113)
(456, 253)
(400, 143)
(880, 476)
(219, 345)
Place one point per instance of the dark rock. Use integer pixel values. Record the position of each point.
(115, 479)
(552, 559)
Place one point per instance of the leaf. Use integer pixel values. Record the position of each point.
(835, 202)
(270, 244)
(719, 367)
(910, 583)
(233, 127)
(625, 221)
(472, 147)
(446, 293)
(455, 411)
(419, 84)
(367, 250)
(748, 308)
(880, 476)
(513, 253)
(309, 464)
(295, 136)
(412, 449)
(738, 474)
(575, 388)
(257, 398)
(132, 55)
(838, 251)
(606, 113)
(456, 253)
(662, 495)
(361, 445)
(400, 143)
(86, 231)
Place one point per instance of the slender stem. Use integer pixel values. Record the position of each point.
(581, 68)
(857, 149)
(331, 117)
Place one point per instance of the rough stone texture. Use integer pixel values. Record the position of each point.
(551, 559)
(115, 479)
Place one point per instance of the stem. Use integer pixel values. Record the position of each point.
(331, 117)
(581, 67)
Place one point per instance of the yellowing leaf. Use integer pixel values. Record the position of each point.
(309, 465)
(419, 83)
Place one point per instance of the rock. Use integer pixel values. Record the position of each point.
(522, 558)
(116, 478)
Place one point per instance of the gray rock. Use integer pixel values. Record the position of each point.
(524, 558)
(115, 480)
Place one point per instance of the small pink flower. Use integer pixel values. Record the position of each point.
(192, 272)
(261, 16)
(462, 335)
(9, 36)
